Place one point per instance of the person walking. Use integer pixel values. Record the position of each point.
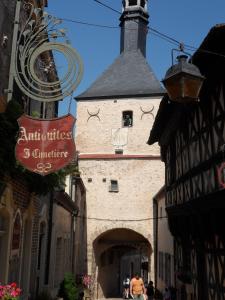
(137, 288)
(126, 287)
(150, 290)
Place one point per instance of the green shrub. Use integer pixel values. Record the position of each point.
(68, 289)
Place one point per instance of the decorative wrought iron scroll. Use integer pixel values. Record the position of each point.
(39, 35)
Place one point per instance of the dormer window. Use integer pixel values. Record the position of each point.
(127, 118)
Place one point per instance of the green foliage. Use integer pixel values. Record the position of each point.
(44, 295)
(35, 114)
(68, 289)
(8, 136)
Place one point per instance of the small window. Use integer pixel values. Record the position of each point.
(132, 2)
(119, 151)
(113, 186)
(143, 3)
(127, 118)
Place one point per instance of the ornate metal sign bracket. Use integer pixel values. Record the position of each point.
(38, 37)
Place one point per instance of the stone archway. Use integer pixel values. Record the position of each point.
(119, 252)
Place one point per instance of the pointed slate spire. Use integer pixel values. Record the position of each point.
(129, 75)
(134, 26)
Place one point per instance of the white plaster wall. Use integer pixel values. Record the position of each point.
(95, 135)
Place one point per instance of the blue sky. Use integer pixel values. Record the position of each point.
(185, 21)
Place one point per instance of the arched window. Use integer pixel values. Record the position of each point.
(127, 118)
(41, 246)
(16, 242)
(16, 236)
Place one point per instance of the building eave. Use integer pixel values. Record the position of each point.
(102, 156)
(105, 97)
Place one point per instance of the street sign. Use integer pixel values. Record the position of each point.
(45, 146)
(221, 175)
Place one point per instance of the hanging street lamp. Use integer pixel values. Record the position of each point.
(183, 81)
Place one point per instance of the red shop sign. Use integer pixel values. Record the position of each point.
(45, 146)
(221, 174)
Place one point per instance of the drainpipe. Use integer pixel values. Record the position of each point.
(155, 216)
(73, 223)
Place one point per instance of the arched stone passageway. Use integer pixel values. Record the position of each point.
(119, 252)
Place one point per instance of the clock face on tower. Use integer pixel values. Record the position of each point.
(119, 137)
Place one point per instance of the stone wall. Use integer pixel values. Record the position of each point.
(97, 134)
(139, 171)
(138, 181)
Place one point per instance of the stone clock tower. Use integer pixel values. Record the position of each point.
(120, 171)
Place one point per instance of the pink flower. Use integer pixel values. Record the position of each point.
(9, 291)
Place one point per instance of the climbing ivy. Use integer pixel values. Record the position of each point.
(8, 164)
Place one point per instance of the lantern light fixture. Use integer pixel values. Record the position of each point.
(183, 81)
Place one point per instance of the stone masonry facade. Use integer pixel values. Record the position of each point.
(138, 171)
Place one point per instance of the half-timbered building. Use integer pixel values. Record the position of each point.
(192, 140)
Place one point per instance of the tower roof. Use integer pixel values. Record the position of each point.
(129, 75)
